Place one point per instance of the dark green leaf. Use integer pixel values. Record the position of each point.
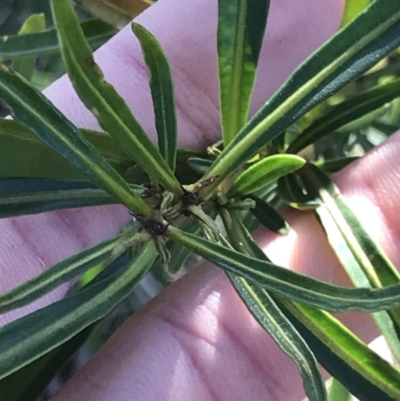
(32, 336)
(162, 92)
(269, 217)
(269, 315)
(352, 9)
(26, 66)
(45, 43)
(33, 110)
(335, 165)
(199, 165)
(351, 52)
(21, 196)
(241, 26)
(264, 173)
(363, 259)
(289, 283)
(272, 320)
(346, 112)
(28, 383)
(24, 155)
(103, 100)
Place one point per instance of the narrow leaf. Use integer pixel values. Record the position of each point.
(44, 43)
(21, 196)
(264, 173)
(24, 155)
(64, 271)
(272, 320)
(345, 356)
(162, 93)
(199, 165)
(347, 112)
(26, 66)
(55, 324)
(352, 9)
(29, 382)
(241, 26)
(102, 99)
(350, 53)
(33, 110)
(363, 259)
(268, 216)
(336, 348)
(289, 283)
(117, 13)
(335, 165)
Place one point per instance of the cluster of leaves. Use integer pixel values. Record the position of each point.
(232, 189)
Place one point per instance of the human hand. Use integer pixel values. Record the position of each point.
(196, 341)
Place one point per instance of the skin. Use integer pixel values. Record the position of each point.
(196, 341)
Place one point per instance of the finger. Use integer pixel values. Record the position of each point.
(187, 31)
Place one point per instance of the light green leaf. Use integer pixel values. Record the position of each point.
(289, 283)
(264, 173)
(241, 26)
(32, 336)
(26, 66)
(351, 52)
(338, 392)
(44, 43)
(352, 9)
(64, 271)
(21, 196)
(347, 112)
(162, 93)
(102, 99)
(33, 110)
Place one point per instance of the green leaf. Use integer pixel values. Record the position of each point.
(352, 9)
(363, 259)
(347, 112)
(26, 66)
(162, 93)
(22, 196)
(199, 165)
(336, 348)
(28, 383)
(64, 271)
(33, 110)
(335, 165)
(103, 101)
(351, 52)
(338, 392)
(271, 319)
(268, 216)
(24, 155)
(44, 43)
(241, 26)
(289, 283)
(264, 173)
(32, 336)
(345, 356)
